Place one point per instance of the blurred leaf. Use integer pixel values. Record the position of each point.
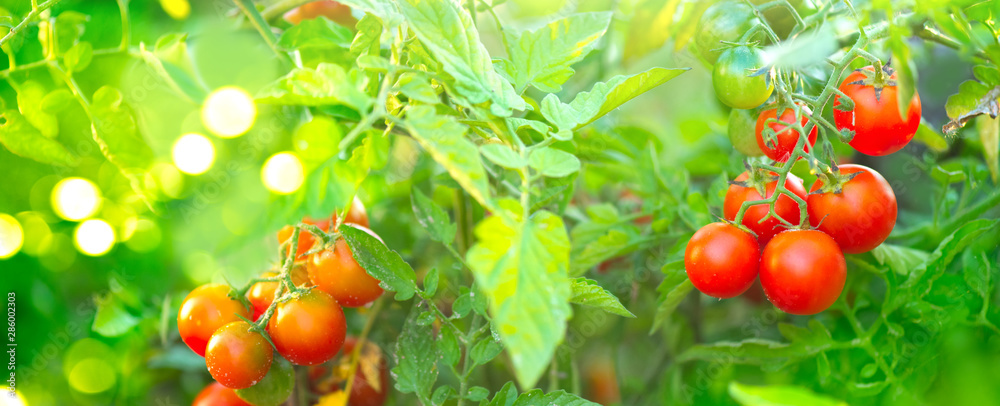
(380, 262)
(449, 33)
(444, 139)
(804, 50)
(22, 139)
(542, 58)
(521, 265)
(674, 288)
(921, 278)
(608, 245)
(588, 293)
(930, 137)
(753, 351)
(416, 87)
(316, 33)
(367, 40)
(384, 10)
(29, 101)
(906, 72)
(67, 29)
(79, 56)
(116, 132)
(112, 320)
(172, 63)
(603, 97)
(553, 163)
(989, 135)
(178, 356)
(900, 259)
(448, 345)
(57, 101)
(433, 218)
(778, 395)
(503, 155)
(973, 99)
(327, 84)
(650, 26)
(416, 358)
(507, 396)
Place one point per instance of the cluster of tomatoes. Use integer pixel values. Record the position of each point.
(305, 324)
(851, 208)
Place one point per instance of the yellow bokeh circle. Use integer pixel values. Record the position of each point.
(193, 154)
(11, 236)
(75, 198)
(229, 112)
(94, 237)
(283, 173)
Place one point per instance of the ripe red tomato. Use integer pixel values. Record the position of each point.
(332, 10)
(217, 395)
(356, 214)
(309, 329)
(237, 357)
(785, 138)
(878, 127)
(261, 294)
(861, 216)
(335, 272)
(204, 310)
(602, 381)
(721, 260)
(785, 207)
(802, 271)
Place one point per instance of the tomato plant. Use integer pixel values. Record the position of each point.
(879, 128)
(548, 188)
(802, 271)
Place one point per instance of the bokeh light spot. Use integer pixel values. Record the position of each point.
(92, 375)
(75, 198)
(176, 9)
(94, 237)
(170, 180)
(283, 173)
(229, 112)
(145, 236)
(36, 230)
(11, 236)
(193, 154)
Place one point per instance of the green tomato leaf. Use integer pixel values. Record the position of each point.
(477, 393)
(116, 132)
(384, 10)
(613, 243)
(444, 138)
(30, 96)
(900, 259)
(536, 397)
(603, 97)
(521, 265)
(112, 320)
(448, 32)
(930, 137)
(553, 163)
(973, 99)
(416, 87)
(433, 217)
(803, 50)
(317, 33)
(171, 61)
(416, 358)
(778, 395)
(367, 40)
(674, 288)
(67, 28)
(380, 262)
(57, 101)
(79, 56)
(22, 139)
(588, 293)
(542, 58)
(503, 155)
(485, 350)
(325, 85)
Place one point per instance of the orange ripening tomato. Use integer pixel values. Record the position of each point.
(334, 11)
(237, 357)
(335, 272)
(217, 395)
(309, 329)
(204, 310)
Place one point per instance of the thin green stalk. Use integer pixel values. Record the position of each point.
(36, 10)
(258, 22)
(126, 25)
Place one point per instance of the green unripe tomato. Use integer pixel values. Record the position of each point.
(732, 85)
(275, 388)
(726, 21)
(742, 134)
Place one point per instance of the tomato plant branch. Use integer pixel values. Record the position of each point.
(126, 25)
(258, 22)
(36, 10)
(361, 342)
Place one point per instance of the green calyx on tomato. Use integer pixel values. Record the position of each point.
(725, 21)
(832, 181)
(738, 79)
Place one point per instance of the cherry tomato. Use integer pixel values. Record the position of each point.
(237, 357)
(217, 395)
(732, 84)
(356, 214)
(741, 132)
(261, 294)
(878, 128)
(785, 138)
(785, 207)
(275, 388)
(335, 272)
(309, 329)
(802, 271)
(204, 310)
(724, 21)
(336, 12)
(861, 216)
(721, 260)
